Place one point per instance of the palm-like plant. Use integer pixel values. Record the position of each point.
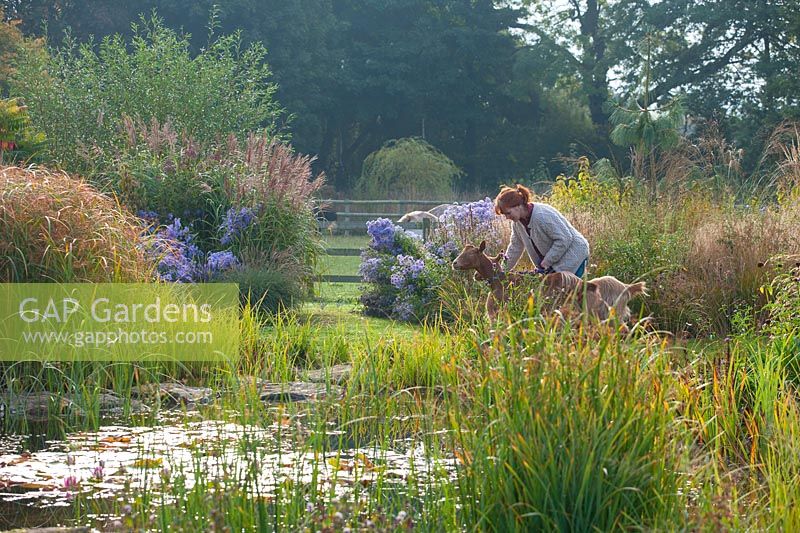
(647, 127)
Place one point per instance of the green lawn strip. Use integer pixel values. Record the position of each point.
(335, 293)
(352, 242)
(346, 321)
(330, 328)
(334, 265)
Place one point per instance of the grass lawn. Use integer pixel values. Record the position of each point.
(346, 241)
(338, 265)
(334, 327)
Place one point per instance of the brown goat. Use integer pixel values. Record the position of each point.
(599, 295)
(613, 294)
(486, 269)
(489, 269)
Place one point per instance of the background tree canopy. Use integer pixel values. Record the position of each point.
(505, 90)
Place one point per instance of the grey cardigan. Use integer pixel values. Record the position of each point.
(563, 246)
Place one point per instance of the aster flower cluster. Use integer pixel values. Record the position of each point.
(236, 221)
(180, 260)
(475, 216)
(406, 271)
(399, 274)
(220, 262)
(382, 234)
(151, 217)
(178, 253)
(467, 224)
(372, 269)
(444, 252)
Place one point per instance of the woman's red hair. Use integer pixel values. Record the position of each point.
(511, 197)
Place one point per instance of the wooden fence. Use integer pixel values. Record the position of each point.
(352, 217)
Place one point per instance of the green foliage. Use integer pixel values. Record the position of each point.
(646, 127)
(282, 234)
(586, 190)
(408, 168)
(159, 171)
(17, 139)
(645, 246)
(568, 437)
(268, 290)
(59, 229)
(783, 303)
(15, 48)
(79, 96)
(496, 101)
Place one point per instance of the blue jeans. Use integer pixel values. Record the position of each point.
(581, 269)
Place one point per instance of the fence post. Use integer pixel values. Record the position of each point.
(347, 219)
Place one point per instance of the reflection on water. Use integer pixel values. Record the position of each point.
(118, 462)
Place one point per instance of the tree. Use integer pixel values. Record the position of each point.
(14, 47)
(408, 168)
(80, 96)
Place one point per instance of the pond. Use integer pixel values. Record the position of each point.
(98, 477)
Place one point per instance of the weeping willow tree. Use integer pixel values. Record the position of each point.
(648, 129)
(408, 168)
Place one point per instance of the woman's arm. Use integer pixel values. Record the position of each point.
(515, 248)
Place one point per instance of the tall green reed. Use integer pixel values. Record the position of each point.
(568, 430)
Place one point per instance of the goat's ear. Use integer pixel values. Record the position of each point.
(482, 246)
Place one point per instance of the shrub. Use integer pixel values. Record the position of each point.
(266, 179)
(407, 168)
(401, 278)
(255, 200)
(158, 170)
(17, 140)
(15, 48)
(79, 95)
(57, 228)
(409, 280)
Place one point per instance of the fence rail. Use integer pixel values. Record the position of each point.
(351, 217)
(348, 220)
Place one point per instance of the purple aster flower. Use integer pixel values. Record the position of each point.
(175, 266)
(404, 310)
(398, 280)
(151, 217)
(217, 262)
(370, 269)
(236, 221)
(176, 231)
(382, 232)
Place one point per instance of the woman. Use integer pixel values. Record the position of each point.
(539, 229)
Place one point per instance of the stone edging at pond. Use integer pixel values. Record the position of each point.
(42, 405)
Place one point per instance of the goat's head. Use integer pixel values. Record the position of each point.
(471, 257)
